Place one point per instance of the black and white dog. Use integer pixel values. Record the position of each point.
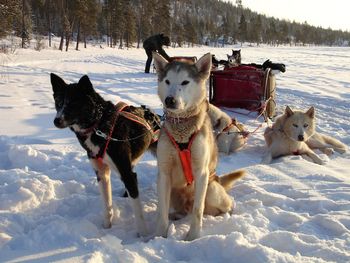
(114, 136)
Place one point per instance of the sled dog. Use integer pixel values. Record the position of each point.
(294, 133)
(187, 152)
(230, 135)
(114, 137)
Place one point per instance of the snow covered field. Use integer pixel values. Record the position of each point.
(50, 208)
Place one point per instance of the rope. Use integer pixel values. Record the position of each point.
(246, 134)
(105, 136)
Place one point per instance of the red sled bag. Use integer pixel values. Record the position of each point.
(244, 87)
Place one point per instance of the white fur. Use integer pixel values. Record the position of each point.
(172, 187)
(186, 95)
(294, 131)
(230, 140)
(103, 172)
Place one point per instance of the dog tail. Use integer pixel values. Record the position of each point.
(338, 146)
(227, 180)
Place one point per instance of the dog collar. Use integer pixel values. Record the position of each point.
(177, 120)
(89, 130)
(296, 152)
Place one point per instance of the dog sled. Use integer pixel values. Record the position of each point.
(244, 87)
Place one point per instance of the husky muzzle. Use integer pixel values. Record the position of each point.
(170, 102)
(60, 123)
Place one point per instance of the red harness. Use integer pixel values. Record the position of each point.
(185, 156)
(244, 133)
(120, 106)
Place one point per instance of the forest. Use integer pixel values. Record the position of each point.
(126, 23)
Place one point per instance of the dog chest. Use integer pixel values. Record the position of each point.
(92, 148)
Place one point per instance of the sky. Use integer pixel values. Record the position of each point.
(334, 14)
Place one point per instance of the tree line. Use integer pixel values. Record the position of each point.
(125, 22)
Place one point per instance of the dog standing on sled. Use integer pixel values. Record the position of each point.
(114, 137)
(187, 153)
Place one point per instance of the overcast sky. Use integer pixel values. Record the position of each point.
(334, 14)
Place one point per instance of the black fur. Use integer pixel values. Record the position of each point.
(84, 108)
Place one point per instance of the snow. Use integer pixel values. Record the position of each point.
(51, 211)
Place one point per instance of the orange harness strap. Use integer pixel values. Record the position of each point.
(119, 107)
(185, 156)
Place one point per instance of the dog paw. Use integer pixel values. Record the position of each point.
(162, 231)
(192, 235)
(328, 151)
(319, 161)
(142, 233)
(107, 225)
(107, 222)
(341, 150)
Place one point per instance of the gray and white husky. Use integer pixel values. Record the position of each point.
(187, 152)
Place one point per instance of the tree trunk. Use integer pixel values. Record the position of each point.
(121, 41)
(69, 34)
(23, 26)
(49, 21)
(78, 37)
(62, 40)
(67, 40)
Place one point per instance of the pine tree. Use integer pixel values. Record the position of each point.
(242, 29)
(163, 14)
(256, 29)
(130, 26)
(10, 12)
(26, 24)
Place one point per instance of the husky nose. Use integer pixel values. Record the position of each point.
(58, 122)
(170, 102)
(301, 138)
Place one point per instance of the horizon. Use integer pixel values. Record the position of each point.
(311, 11)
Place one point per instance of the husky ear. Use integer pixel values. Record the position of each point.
(203, 65)
(85, 83)
(311, 112)
(288, 111)
(159, 62)
(57, 83)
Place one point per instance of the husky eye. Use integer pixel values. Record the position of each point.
(185, 82)
(306, 125)
(295, 125)
(59, 103)
(167, 81)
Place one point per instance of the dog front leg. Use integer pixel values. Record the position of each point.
(267, 159)
(164, 192)
(314, 143)
(103, 174)
(314, 156)
(200, 190)
(129, 179)
(140, 221)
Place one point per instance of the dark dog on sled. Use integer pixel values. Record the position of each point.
(114, 136)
